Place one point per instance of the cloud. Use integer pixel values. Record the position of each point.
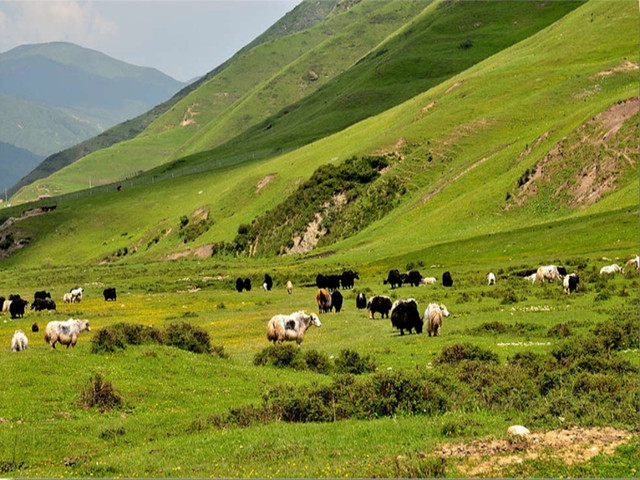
(41, 21)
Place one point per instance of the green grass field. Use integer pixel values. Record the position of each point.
(169, 394)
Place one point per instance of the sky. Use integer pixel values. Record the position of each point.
(182, 38)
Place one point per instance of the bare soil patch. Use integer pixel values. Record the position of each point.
(265, 181)
(314, 231)
(189, 115)
(594, 152)
(626, 66)
(454, 86)
(200, 214)
(425, 110)
(203, 251)
(571, 445)
(395, 149)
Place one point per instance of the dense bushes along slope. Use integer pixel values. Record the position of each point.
(353, 193)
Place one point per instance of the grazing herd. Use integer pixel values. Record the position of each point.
(64, 333)
(404, 314)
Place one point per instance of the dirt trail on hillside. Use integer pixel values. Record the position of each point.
(448, 182)
(200, 252)
(33, 212)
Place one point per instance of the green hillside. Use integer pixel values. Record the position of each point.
(318, 82)
(258, 82)
(444, 40)
(305, 15)
(459, 149)
(41, 128)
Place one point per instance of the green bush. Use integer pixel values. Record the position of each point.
(280, 356)
(317, 361)
(188, 337)
(7, 241)
(290, 356)
(619, 333)
(136, 334)
(559, 330)
(466, 44)
(107, 340)
(349, 361)
(181, 335)
(458, 351)
(192, 231)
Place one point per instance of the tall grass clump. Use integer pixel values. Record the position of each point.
(457, 352)
(100, 393)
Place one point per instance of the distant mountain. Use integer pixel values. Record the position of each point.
(14, 164)
(55, 95)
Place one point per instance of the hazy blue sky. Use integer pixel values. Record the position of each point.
(182, 38)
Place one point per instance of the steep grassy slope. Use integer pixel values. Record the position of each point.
(475, 134)
(425, 50)
(444, 40)
(263, 80)
(303, 16)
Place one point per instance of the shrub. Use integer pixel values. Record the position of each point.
(188, 337)
(465, 44)
(617, 333)
(112, 433)
(136, 334)
(317, 361)
(457, 352)
(219, 351)
(509, 297)
(492, 328)
(107, 340)
(192, 231)
(280, 356)
(7, 241)
(350, 361)
(99, 393)
(559, 330)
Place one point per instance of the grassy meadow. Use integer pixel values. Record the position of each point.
(165, 425)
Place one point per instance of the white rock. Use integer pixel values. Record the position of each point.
(518, 430)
